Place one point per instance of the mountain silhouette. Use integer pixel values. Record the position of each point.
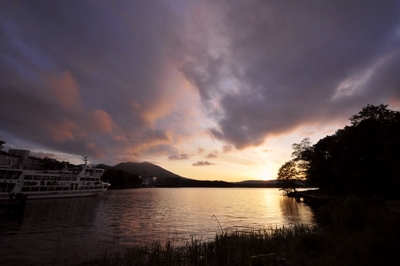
(145, 169)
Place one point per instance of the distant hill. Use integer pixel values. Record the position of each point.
(266, 183)
(169, 179)
(145, 169)
(104, 166)
(257, 183)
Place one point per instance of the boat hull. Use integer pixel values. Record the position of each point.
(58, 194)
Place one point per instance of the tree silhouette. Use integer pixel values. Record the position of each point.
(293, 171)
(361, 159)
(287, 176)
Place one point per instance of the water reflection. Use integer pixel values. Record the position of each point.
(57, 230)
(295, 212)
(49, 230)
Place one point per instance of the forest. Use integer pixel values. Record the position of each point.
(361, 159)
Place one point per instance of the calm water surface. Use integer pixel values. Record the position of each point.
(61, 230)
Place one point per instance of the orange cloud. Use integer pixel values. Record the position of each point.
(394, 102)
(65, 90)
(64, 131)
(151, 140)
(96, 153)
(101, 121)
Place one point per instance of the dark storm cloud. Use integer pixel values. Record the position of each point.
(101, 78)
(83, 76)
(202, 163)
(267, 67)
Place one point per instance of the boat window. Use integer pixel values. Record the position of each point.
(30, 183)
(26, 189)
(16, 174)
(37, 177)
(35, 189)
(65, 188)
(6, 187)
(58, 188)
(11, 174)
(28, 177)
(2, 174)
(92, 179)
(73, 178)
(53, 178)
(43, 189)
(51, 188)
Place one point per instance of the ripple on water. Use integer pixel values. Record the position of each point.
(59, 230)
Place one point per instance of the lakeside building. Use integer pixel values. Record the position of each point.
(17, 158)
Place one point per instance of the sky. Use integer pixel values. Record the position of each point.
(210, 90)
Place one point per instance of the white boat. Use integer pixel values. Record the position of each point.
(73, 182)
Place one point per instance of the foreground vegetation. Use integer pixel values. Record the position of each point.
(353, 231)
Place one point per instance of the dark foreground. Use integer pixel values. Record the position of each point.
(353, 231)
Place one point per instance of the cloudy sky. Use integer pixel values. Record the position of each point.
(207, 89)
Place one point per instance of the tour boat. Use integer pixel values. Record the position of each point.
(72, 182)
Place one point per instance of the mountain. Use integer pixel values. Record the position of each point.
(169, 179)
(104, 166)
(145, 169)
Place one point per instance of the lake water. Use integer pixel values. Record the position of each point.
(64, 230)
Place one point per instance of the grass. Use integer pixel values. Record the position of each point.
(351, 232)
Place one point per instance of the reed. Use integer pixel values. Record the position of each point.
(374, 242)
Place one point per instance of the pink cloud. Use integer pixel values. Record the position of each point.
(64, 131)
(227, 148)
(101, 121)
(202, 163)
(64, 89)
(182, 156)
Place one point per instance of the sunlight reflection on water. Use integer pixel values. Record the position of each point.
(62, 229)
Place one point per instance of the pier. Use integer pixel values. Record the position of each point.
(309, 196)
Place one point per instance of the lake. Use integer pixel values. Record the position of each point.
(63, 230)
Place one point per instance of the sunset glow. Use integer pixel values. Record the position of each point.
(210, 90)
